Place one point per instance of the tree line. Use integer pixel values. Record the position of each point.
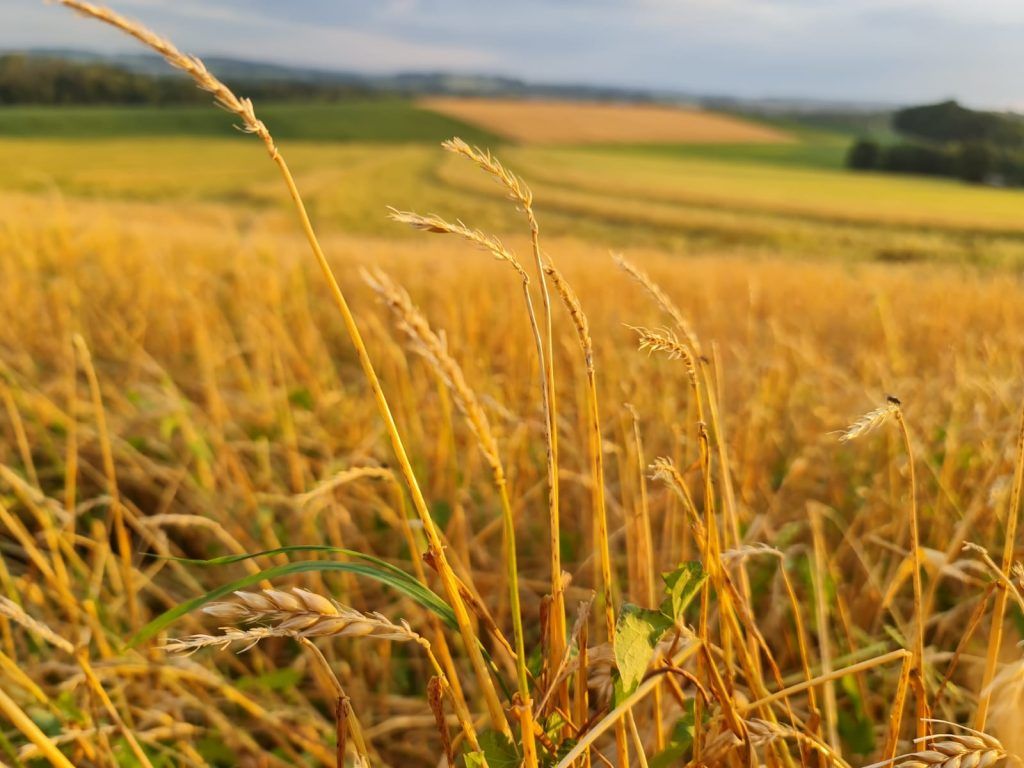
(53, 81)
(947, 139)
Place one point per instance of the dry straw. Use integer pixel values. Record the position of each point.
(11, 610)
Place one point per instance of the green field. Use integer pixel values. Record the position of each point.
(353, 159)
(382, 120)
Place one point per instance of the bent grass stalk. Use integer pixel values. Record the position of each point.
(426, 343)
(243, 108)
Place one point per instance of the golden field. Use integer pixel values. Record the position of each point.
(561, 122)
(711, 510)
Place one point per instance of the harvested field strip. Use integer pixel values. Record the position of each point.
(557, 122)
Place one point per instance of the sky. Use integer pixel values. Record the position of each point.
(892, 51)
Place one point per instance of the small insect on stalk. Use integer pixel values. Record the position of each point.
(892, 410)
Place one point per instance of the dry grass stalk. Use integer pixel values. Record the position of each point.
(11, 610)
(191, 65)
(519, 192)
(298, 614)
(760, 734)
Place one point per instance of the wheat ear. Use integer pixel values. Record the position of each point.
(191, 65)
(967, 749)
(298, 613)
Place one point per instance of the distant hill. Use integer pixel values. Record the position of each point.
(260, 79)
(949, 122)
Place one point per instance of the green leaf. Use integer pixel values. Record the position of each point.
(499, 750)
(855, 728)
(474, 760)
(278, 680)
(637, 632)
(682, 585)
(679, 742)
(389, 575)
(301, 398)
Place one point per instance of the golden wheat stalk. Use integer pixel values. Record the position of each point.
(243, 108)
(892, 409)
(664, 341)
(595, 449)
(517, 190)
(999, 610)
(223, 96)
(298, 613)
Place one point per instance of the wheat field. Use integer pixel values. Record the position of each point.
(438, 495)
(558, 122)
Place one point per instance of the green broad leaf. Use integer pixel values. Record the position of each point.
(391, 576)
(681, 586)
(499, 750)
(553, 725)
(474, 760)
(637, 632)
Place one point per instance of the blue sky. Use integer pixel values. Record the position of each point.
(876, 50)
